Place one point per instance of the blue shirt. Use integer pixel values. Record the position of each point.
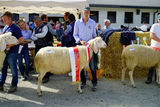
(26, 34)
(15, 32)
(84, 32)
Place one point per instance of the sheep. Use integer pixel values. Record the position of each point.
(5, 39)
(57, 60)
(141, 56)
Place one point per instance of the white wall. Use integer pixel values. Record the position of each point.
(120, 16)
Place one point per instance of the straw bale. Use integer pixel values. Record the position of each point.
(110, 60)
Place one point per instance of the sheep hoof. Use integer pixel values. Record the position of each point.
(133, 86)
(39, 94)
(80, 91)
(123, 83)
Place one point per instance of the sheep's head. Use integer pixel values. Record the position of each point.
(97, 43)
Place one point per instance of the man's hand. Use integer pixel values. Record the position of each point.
(83, 42)
(9, 46)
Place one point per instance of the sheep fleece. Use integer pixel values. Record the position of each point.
(139, 55)
(57, 59)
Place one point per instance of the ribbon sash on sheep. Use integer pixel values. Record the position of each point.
(157, 48)
(88, 52)
(74, 59)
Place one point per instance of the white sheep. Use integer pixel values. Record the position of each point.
(5, 39)
(57, 60)
(141, 56)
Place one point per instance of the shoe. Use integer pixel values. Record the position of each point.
(27, 78)
(1, 88)
(23, 78)
(148, 82)
(94, 87)
(83, 85)
(45, 80)
(12, 89)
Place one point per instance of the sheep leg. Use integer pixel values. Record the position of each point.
(123, 75)
(79, 88)
(40, 77)
(158, 77)
(131, 79)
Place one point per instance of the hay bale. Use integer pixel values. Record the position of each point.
(111, 57)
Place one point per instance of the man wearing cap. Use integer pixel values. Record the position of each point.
(85, 30)
(155, 42)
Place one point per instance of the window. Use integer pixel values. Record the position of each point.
(15, 17)
(145, 18)
(32, 15)
(128, 17)
(112, 16)
(94, 15)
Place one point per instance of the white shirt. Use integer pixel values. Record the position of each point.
(84, 32)
(40, 35)
(143, 27)
(156, 30)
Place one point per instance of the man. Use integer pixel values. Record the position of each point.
(39, 34)
(85, 30)
(51, 32)
(12, 54)
(155, 42)
(107, 25)
(49, 38)
(66, 22)
(25, 51)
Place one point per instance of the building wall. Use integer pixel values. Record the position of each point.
(120, 12)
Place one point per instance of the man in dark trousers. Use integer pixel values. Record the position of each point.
(49, 38)
(12, 54)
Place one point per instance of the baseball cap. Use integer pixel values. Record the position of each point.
(87, 8)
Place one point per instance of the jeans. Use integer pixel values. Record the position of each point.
(93, 71)
(150, 73)
(24, 53)
(10, 60)
(59, 34)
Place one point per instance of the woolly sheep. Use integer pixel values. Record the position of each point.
(141, 56)
(57, 60)
(5, 39)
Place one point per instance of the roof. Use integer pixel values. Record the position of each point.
(153, 4)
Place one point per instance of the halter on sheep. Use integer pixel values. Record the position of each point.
(141, 56)
(5, 39)
(56, 60)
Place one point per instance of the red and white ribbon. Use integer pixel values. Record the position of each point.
(88, 52)
(74, 59)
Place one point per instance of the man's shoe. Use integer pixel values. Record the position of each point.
(12, 89)
(27, 78)
(148, 82)
(1, 88)
(83, 85)
(94, 87)
(45, 80)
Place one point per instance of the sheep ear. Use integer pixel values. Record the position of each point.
(3, 45)
(95, 49)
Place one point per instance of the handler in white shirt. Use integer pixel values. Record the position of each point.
(85, 30)
(155, 42)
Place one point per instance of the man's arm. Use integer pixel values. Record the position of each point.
(75, 33)
(154, 37)
(52, 31)
(20, 40)
(43, 33)
(94, 34)
(69, 28)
